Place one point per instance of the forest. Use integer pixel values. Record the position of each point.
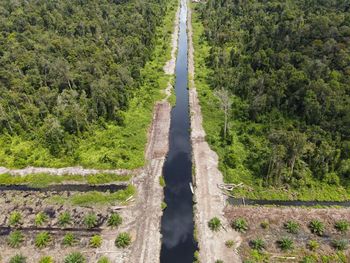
(280, 71)
(71, 72)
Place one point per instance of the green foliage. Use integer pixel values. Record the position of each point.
(163, 205)
(114, 220)
(229, 243)
(292, 227)
(258, 244)
(265, 224)
(219, 261)
(69, 240)
(317, 227)
(90, 220)
(342, 226)
(95, 241)
(75, 257)
(15, 239)
(162, 181)
(46, 259)
(285, 244)
(103, 260)
(15, 218)
(64, 219)
(123, 240)
(240, 225)
(313, 245)
(18, 259)
(40, 219)
(308, 259)
(214, 224)
(42, 239)
(341, 244)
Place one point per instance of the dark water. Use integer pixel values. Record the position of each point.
(65, 187)
(178, 245)
(239, 201)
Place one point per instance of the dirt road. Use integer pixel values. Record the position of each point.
(210, 202)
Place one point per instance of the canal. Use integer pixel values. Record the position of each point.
(178, 244)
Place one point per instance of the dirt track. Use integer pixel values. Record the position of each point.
(210, 201)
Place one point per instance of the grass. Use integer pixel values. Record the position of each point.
(42, 239)
(69, 240)
(114, 220)
(75, 257)
(106, 146)
(15, 239)
(95, 241)
(123, 240)
(240, 225)
(64, 219)
(214, 224)
(90, 220)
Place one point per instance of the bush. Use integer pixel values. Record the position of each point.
(265, 224)
(292, 227)
(15, 239)
(46, 259)
(90, 220)
(64, 219)
(313, 245)
(342, 226)
(219, 261)
(340, 244)
(15, 218)
(103, 260)
(240, 225)
(42, 239)
(69, 240)
(123, 240)
(40, 219)
(18, 259)
(285, 244)
(214, 224)
(316, 227)
(96, 241)
(114, 220)
(308, 259)
(257, 244)
(229, 243)
(75, 257)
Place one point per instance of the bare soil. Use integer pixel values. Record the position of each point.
(210, 202)
(276, 217)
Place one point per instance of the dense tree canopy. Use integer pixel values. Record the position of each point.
(287, 66)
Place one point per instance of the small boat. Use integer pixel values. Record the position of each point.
(191, 187)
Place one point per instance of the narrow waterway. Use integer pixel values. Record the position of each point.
(178, 244)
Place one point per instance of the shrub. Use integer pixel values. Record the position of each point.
(340, 244)
(75, 257)
(42, 239)
(240, 225)
(229, 243)
(15, 239)
(308, 259)
(40, 219)
(313, 245)
(257, 244)
(103, 260)
(15, 218)
(90, 220)
(46, 259)
(114, 220)
(292, 227)
(342, 226)
(18, 259)
(285, 244)
(123, 240)
(96, 241)
(64, 219)
(214, 224)
(69, 240)
(219, 261)
(265, 224)
(316, 227)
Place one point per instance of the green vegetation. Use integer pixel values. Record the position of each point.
(229, 243)
(285, 70)
(15, 239)
(69, 240)
(214, 224)
(114, 220)
(292, 227)
(163, 205)
(219, 261)
(342, 226)
(313, 245)
(18, 259)
(46, 259)
(258, 244)
(90, 220)
(103, 260)
(40, 219)
(64, 219)
(15, 218)
(265, 224)
(95, 241)
(240, 225)
(123, 240)
(59, 109)
(285, 244)
(317, 227)
(162, 181)
(75, 257)
(42, 239)
(341, 244)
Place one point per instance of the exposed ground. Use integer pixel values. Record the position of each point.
(210, 202)
(276, 217)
